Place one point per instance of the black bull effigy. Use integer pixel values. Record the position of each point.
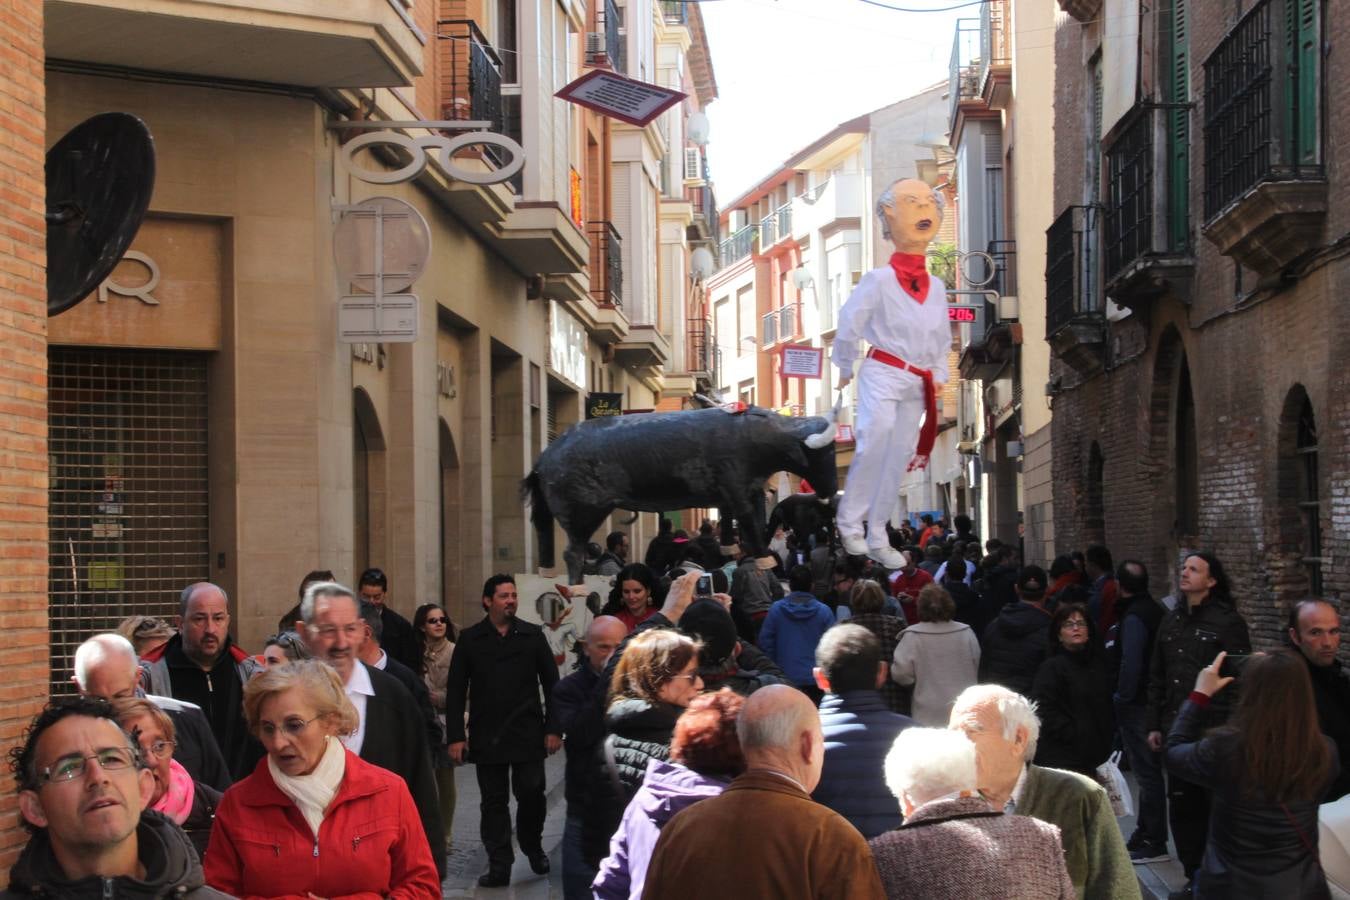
(658, 462)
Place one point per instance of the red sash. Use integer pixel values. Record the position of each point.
(928, 433)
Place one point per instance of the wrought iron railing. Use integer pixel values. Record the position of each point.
(1004, 255)
(614, 48)
(768, 330)
(768, 230)
(963, 78)
(472, 83)
(701, 348)
(738, 246)
(606, 264)
(788, 319)
(995, 39)
(705, 206)
(674, 11)
(1254, 114)
(1138, 195)
(1071, 290)
(785, 220)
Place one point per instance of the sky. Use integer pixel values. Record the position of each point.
(790, 70)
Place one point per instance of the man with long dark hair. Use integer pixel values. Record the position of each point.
(1188, 639)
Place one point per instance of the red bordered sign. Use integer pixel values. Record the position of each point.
(801, 361)
(626, 99)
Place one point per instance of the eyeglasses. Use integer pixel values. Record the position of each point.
(692, 676)
(68, 768)
(291, 727)
(436, 620)
(159, 749)
(1073, 624)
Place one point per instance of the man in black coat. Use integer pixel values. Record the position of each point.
(1315, 630)
(396, 634)
(501, 664)
(389, 731)
(375, 656)
(1204, 622)
(1016, 643)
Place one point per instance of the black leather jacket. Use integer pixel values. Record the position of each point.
(1256, 848)
(1187, 641)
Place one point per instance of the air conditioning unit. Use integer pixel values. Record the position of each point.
(595, 44)
(969, 448)
(1007, 309)
(693, 164)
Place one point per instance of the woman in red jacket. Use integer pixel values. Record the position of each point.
(314, 819)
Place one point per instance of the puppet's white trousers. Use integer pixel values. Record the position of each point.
(886, 428)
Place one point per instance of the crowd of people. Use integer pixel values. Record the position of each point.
(795, 722)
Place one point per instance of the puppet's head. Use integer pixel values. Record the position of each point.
(911, 214)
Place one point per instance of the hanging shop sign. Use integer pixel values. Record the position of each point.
(380, 247)
(421, 149)
(801, 361)
(626, 99)
(599, 406)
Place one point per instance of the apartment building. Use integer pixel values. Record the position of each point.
(1192, 272)
(1001, 79)
(206, 422)
(796, 244)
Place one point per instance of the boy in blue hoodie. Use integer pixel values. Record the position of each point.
(793, 628)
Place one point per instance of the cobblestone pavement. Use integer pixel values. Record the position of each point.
(468, 860)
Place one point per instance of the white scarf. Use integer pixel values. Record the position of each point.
(313, 792)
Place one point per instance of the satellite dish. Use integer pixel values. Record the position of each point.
(99, 180)
(701, 263)
(698, 128)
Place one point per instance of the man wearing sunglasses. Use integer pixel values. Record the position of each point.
(81, 793)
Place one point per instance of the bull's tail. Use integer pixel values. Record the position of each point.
(532, 491)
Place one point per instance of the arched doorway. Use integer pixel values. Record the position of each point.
(1094, 519)
(369, 489)
(1171, 464)
(453, 596)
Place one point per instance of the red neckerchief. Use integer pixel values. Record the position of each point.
(911, 270)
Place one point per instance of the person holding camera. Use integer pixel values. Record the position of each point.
(1188, 640)
(1266, 769)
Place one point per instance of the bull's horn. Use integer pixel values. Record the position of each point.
(824, 437)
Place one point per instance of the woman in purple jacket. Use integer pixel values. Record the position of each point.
(704, 756)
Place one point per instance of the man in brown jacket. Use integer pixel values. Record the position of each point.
(764, 835)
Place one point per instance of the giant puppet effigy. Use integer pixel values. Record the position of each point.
(900, 309)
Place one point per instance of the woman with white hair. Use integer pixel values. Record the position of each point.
(953, 845)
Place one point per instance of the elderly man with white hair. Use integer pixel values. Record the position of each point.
(901, 311)
(1003, 726)
(953, 845)
(107, 668)
(764, 836)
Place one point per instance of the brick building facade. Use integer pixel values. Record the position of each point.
(1199, 383)
(23, 393)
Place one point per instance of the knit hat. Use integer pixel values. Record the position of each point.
(1031, 582)
(709, 622)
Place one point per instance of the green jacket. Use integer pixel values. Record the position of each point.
(1094, 851)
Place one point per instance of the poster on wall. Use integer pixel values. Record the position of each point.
(545, 601)
(800, 361)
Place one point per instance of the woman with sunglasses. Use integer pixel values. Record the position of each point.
(284, 648)
(655, 679)
(435, 635)
(314, 819)
(191, 804)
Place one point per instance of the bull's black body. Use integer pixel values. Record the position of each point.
(658, 462)
(803, 514)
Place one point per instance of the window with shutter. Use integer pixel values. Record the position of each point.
(692, 164)
(1177, 83)
(1302, 88)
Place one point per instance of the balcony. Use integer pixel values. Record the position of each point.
(996, 53)
(837, 200)
(605, 46)
(703, 356)
(991, 350)
(471, 81)
(704, 203)
(1075, 323)
(675, 12)
(963, 74)
(1147, 232)
(1265, 188)
(606, 264)
(356, 43)
(781, 325)
(775, 227)
(737, 247)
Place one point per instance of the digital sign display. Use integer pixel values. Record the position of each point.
(961, 313)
